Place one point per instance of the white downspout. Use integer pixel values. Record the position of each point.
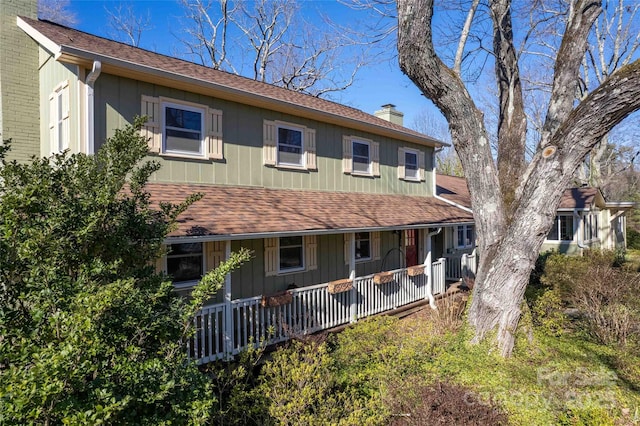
(90, 80)
(428, 268)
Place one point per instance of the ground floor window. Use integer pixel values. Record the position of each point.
(363, 246)
(562, 229)
(185, 262)
(291, 254)
(465, 236)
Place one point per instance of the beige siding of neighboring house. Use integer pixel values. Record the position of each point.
(118, 101)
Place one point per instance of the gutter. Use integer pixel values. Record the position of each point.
(261, 235)
(460, 206)
(90, 115)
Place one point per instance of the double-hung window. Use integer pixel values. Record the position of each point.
(411, 165)
(185, 262)
(465, 237)
(291, 254)
(361, 158)
(183, 130)
(290, 146)
(562, 229)
(363, 246)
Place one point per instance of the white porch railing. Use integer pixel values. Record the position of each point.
(460, 265)
(312, 309)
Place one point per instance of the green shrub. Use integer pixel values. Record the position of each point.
(89, 333)
(605, 295)
(547, 312)
(633, 239)
(301, 385)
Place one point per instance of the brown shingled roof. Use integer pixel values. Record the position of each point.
(229, 210)
(578, 198)
(455, 189)
(65, 38)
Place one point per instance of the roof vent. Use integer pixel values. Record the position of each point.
(390, 113)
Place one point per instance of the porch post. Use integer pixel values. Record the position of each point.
(428, 266)
(352, 276)
(228, 314)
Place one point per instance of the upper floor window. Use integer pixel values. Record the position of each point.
(465, 234)
(411, 164)
(288, 145)
(182, 129)
(360, 156)
(59, 117)
(185, 262)
(562, 229)
(361, 160)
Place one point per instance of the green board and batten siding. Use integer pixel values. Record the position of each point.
(118, 101)
(331, 266)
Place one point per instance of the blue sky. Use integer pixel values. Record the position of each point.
(377, 84)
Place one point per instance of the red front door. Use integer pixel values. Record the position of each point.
(411, 247)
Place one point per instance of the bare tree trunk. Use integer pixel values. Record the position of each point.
(509, 248)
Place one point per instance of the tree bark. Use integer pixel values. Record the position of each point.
(508, 248)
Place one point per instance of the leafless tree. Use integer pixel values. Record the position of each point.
(515, 201)
(126, 24)
(56, 11)
(284, 48)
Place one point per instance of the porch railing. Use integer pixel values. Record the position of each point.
(460, 265)
(312, 309)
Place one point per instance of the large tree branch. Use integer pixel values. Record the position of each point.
(512, 120)
(419, 61)
(582, 15)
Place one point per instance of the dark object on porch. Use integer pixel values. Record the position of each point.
(340, 286)
(276, 299)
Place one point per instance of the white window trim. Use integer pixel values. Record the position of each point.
(364, 259)
(189, 283)
(369, 171)
(60, 118)
(187, 106)
(464, 229)
(556, 222)
(303, 159)
(417, 154)
(302, 268)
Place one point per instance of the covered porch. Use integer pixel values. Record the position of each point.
(225, 329)
(321, 259)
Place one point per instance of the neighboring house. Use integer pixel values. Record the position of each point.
(338, 206)
(585, 219)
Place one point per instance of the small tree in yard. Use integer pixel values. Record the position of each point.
(514, 200)
(89, 332)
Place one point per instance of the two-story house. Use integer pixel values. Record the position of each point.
(338, 206)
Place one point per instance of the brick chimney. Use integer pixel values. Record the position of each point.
(390, 113)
